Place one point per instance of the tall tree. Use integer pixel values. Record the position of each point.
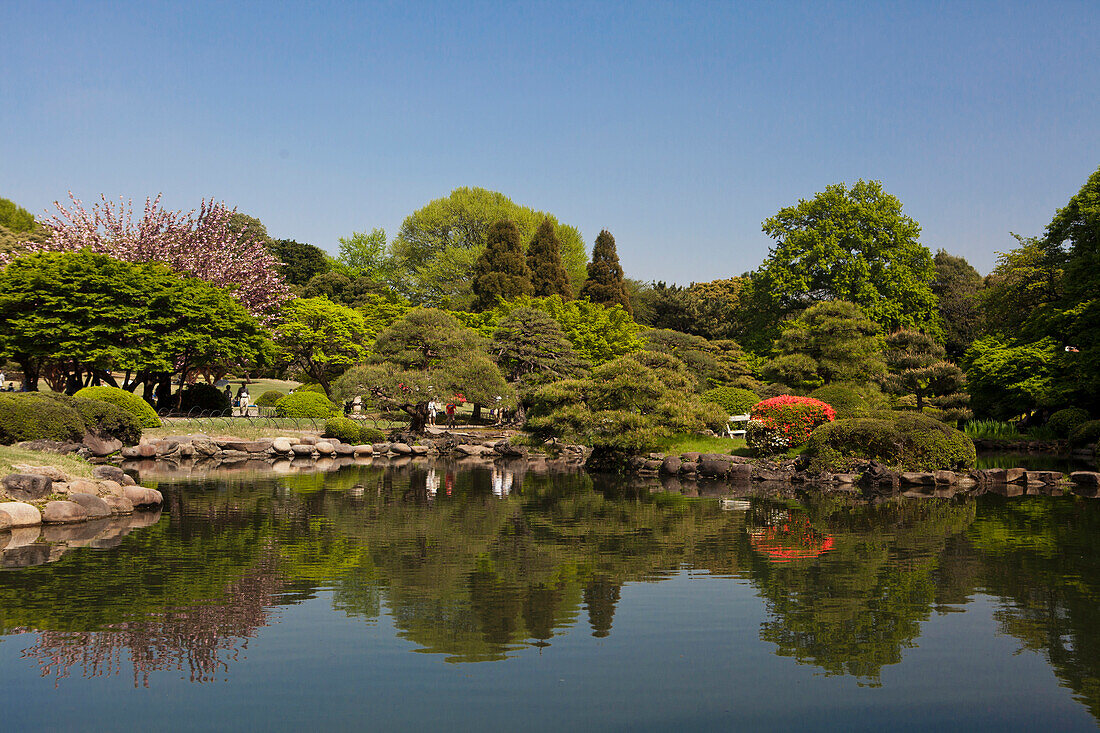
(854, 245)
(957, 286)
(321, 338)
(531, 349)
(605, 275)
(917, 367)
(548, 275)
(501, 270)
(299, 262)
(366, 255)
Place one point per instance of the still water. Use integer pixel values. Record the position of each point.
(436, 597)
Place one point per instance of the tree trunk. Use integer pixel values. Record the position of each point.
(477, 412)
(418, 416)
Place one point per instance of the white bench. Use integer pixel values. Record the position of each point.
(738, 432)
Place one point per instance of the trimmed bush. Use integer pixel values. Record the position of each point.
(1085, 434)
(36, 416)
(371, 434)
(734, 400)
(269, 398)
(343, 429)
(108, 420)
(852, 399)
(139, 408)
(786, 422)
(311, 388)
(202, 397)
(305, 404)
(905, 441)
(1064, 422)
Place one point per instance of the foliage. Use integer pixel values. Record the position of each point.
(15, 218)
(991, 430)
(501, 271)
(906, 441)
(604, 283)
(530, 349)
(733, 400)
(107, 420)
(1084, 435)
(711, 310)
(1009, 377)
(1063, 422)
(785, 422)
(305, 404)
(202, 397)
(714, 363)
(548, 275)
(35, 416)
(853, 245)
(200, 244)
(343, 429)
(366, 255)
(598, 333)
(299, 262)
(957, 287)
(139, 408)
(917, 366)
(830, 341)
(320, 338)
(852, 399)
(269, 398)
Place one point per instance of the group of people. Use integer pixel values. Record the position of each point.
(434, 408)
(242, 399)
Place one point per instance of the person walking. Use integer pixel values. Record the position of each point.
(433, 408)
(450, 414)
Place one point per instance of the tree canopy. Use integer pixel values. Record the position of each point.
(501, 270)
(605, 275)
(321, 338)
(300, 262)
(548, 275)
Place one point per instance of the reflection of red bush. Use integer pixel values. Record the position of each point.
(793, 417)
(792, 540)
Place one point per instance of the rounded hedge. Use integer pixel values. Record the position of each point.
(202, 397)
(734, 400)
(305, 404)
(904, 441)
(343, 429)
(139, 408)
(270, 397)
(108, 420)
(1063, 422)
(371, 434)
(311, 388)
(1085, 434)
(852, 399)
(36, 416)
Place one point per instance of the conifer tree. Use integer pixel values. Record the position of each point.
(501, 270)
(548, 274)
(605, 275)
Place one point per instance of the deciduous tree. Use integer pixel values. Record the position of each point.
(321, 338)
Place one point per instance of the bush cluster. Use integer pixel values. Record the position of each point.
(108, 420)
(128, 401)
(734, 400)
(1085, 434)
(47, 416)
(852, 399)
(905, 441)
(785, 422)
(305, 404)
(202, 397)
(1064, 422)
(269, 398)
(351, 431)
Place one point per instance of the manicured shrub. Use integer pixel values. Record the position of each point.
(786, 422)
(36, 416)
(905, 441)
(202, 397)
(343, 429)
(108, 420)
(734, 400)
(269, 398)
(371, 434)
(1063, 422)
(305, 404)
(1085, 434)
(852, 399)
(139, 408)
(311, 388)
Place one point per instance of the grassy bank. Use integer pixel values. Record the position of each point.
(10, 455)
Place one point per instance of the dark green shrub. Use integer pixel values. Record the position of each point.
(733, 400)
(343, 429)
(852, 399)
(36, 416)
(139, 408)
(305, 404)
(1063, 422)
(370, 434)
(1085, 434)
(108, 420)
(202, 397)
(905, 441)
(269, 398)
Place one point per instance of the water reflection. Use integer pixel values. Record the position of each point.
(477, 561)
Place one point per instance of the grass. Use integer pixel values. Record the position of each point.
(249, 429)
(991, 430)
(685, 443)
(72, 465)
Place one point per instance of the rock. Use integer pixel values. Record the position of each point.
(5, 522)
(690, 457)
(652, 465)
(995, 475)
(26, 486)
(419, 450)
(106, 486)
(302, 449)
(131, 451)
(95, 506)
(128, 480)
(282, 445)
(308, 440)
(364, 450)
(689, 467)
(204, 446)
(740, 472)
(111, 473)
(713, 467)
(944, 477)
(343, 449)
(381, 448)
(119, 504)
(83, 486)
(913, 478)
(506, 449)
(140, 496)
(844, 479)
(1015, 475)
(248, 446)
(1079, 478)
(767, 474)
(671, 465)
(51, 472)
(401, 449)
(325, 447)
(98, 446)
(471, 450)
(62, 512)
(168, 447)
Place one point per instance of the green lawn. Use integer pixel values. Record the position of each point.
(72, 465)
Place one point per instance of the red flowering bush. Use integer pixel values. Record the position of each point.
(786, 422)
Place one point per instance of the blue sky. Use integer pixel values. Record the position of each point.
(677, 126)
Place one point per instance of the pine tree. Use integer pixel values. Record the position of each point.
(501, 270)
(548, 274)
(605, 276)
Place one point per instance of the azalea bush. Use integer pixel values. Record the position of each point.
(785, 422)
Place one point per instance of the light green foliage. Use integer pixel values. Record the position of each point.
(343, 429)
(1064, 422)
(321, 338)
(852, 399)
(598, 333)
(1007, 377)
(305, 404)
(15, 218)
(440, 242)
(139, 408)
(829, 342)
(733, 400)
(853, 245)
(366, 254)
(713, 363)
(906, 441)
(269, 398)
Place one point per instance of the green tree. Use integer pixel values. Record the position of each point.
(530, 348)
(599, 333)
(367, 255)
(17, 225)
(853, 245)
(1011, 377)
(501, 271)
(548, 275)
(321, 338)
(830, 341)
(301, 262)
(605, 275)
(958, 287)
(714, 363)
(917, 367)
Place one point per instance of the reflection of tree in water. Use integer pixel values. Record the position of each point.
(202, 638)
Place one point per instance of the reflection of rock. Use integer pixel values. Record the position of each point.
(75, 535)
(142, 519)
(21, 536)
(25, 556)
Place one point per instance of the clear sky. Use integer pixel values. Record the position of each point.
(677, 126)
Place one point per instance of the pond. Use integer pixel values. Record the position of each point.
(432, 595)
